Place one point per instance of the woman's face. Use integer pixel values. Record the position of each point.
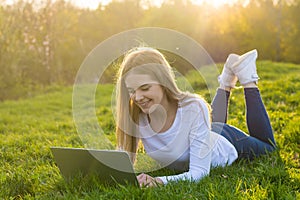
(145, 91)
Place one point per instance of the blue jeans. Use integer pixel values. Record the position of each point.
(260, 139)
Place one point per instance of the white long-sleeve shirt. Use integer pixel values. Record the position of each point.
(188, 145)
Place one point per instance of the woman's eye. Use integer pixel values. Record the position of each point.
(141, 88)
(145, 88)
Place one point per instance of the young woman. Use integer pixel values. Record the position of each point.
(175, 126)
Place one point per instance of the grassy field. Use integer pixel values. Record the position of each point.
(29, 127)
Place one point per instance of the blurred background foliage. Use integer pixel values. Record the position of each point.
(43, 43)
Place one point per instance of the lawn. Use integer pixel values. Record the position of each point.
(29, 127)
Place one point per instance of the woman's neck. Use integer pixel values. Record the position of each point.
(163, 116)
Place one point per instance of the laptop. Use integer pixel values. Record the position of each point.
(111, 167)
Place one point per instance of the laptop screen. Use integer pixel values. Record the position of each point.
(109, 166)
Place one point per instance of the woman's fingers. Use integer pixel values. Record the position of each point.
(147, 181)
(144, 180)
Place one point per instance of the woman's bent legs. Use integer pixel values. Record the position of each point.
(247, 146)
(261, 137)
(258, 121)
(220, 106)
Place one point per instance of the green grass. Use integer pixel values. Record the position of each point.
(29, 127)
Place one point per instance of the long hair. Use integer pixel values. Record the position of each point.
(154, 64)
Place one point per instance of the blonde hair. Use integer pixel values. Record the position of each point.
(127, 113)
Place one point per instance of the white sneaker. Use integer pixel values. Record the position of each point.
(227, 77)
(245, 68)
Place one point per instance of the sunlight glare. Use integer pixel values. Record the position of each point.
(93, 4)
(214, 3)
(90, 4)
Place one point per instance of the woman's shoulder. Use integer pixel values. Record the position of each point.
(193, 102)
(192, 99)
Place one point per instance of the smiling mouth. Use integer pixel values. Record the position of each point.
(144, 104)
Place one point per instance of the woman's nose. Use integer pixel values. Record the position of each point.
(138, 95)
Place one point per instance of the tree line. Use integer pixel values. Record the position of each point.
(44, 42)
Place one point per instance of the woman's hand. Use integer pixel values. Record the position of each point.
(148, 181)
